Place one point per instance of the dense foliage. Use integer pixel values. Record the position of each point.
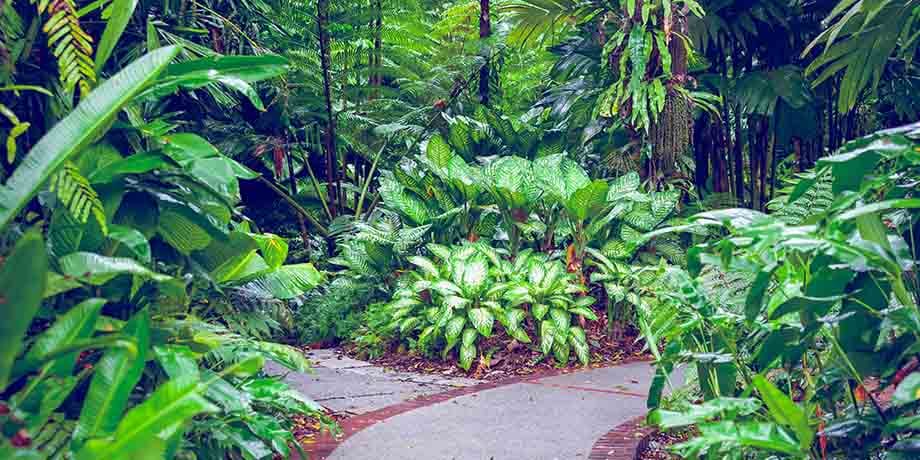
(187, 184)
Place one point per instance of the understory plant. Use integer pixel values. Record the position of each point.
(828, 319)
(109, 347)
(454, 300)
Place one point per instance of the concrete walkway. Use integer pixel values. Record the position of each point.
(556, 417)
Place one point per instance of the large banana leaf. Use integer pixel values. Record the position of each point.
(22, 282)
(78, 130)
(114, 378)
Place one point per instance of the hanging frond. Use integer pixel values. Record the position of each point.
(70, 44)
(77, 195)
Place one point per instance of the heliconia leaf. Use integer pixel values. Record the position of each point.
(785, 411)
(77, 323)
(482, 320)
(114, 378)
(149, 424)
(22, 282)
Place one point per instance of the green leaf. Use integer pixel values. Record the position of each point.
(236, 72)
(539, 310)
(438, 151)
(77, 323)
(114, 378)
(149, 424)
(579, 342)
(755, 296)
(482, 320)
(274, 248)
(78, 129)
(547, 333)
(122, 10)
(785, 411)
(131, 239)
(97, 270)
(584, 312)
(22, 284)
(468, 348)
(908, 390)
(286, 282)
(587, 200)
(453, 329)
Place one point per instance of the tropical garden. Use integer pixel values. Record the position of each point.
(192, 188)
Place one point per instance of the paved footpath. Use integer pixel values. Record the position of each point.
(405, 416)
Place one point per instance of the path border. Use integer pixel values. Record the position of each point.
(621, 442)
(325, 443)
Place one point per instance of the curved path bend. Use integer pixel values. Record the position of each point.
(560, 415)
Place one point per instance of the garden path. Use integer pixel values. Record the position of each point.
(554, 416)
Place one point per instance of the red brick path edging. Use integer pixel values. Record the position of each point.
(621, 442)
(326, 443)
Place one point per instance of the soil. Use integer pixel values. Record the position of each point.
(655, 445)
(507, 357)
(308, 429)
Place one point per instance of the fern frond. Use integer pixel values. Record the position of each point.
(78, 196)
(70, 44)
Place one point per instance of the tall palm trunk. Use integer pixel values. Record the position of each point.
(485, 31)
(322, 20)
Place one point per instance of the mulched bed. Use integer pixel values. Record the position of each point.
(655, 445)
(509, 360)
(308, 429)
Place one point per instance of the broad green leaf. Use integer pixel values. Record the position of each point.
(78, 129)
(438, 151)
(908, 390)
(468, 348)
(97, 270)
(22, 284)
(579, 342)
(547, 334)
(132, 240)
(425, 264)
(152, 422)
(274, 249)
(122, 10)
(584, 312)
(482, 320)
(77, 323)
(539, 310)
(785, 411)
(622, 185)
(286, 282)
(587, 200)
(453, 329)
(114, 378)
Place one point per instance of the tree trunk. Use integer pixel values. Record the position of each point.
(485, 31)
(672, 133)
(738, 157)
(376, 56)
(703, 148)
(322, 19)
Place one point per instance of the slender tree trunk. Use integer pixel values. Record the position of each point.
(376, 56)
(322, 14)
(702, 150)
(738, 155)
(485, 31)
